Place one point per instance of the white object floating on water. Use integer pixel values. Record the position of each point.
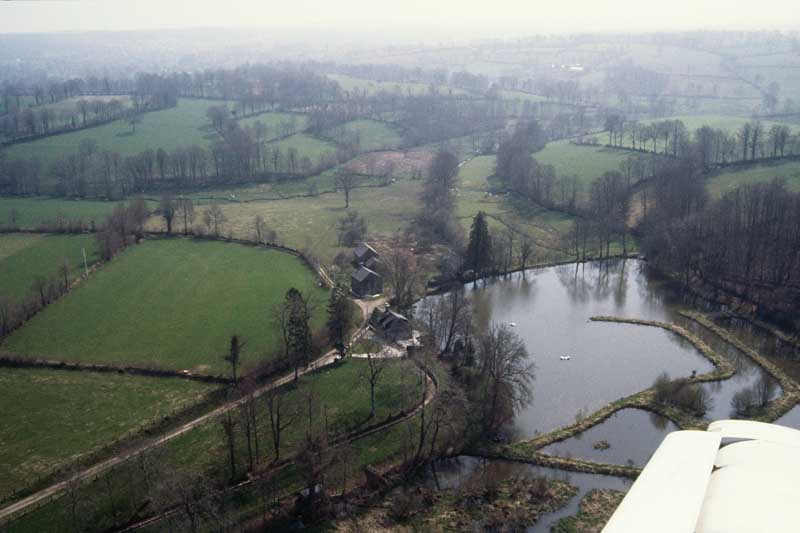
(512, 324)
(565, 358)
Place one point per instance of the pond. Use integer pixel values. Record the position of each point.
(791, 419)
(780, 353)
(458, 471)
(632, 436)
(551, 308)
(747, 375)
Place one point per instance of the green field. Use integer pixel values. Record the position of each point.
(306, 146)
(32, 211)
(586, 162)
(24, 257)
(473, 174)
(203, 449)
(343, 390)
(183, 125)
(310, 222)
(50, 417)
(172, 303)
(730, 179)
(374, 135)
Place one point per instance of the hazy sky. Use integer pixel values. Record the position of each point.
(485, 17)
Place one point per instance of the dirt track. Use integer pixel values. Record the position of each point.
(29, 502)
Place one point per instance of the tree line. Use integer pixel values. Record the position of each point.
(712, 146)
(148, 92)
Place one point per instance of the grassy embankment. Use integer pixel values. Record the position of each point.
(174, 304)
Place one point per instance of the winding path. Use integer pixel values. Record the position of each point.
(26, 504)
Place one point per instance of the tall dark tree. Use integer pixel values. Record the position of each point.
(507, 375)
(168, 209)
(233, 356)
(340, 318)
(479, 249)
(298, 329)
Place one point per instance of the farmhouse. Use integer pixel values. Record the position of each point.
(390, 325)
(363, 253)
(366, 282)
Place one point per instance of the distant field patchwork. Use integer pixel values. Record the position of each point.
(183, 125)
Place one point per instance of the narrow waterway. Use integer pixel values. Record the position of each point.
(458, 472)
(628, 437)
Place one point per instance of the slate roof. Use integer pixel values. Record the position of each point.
(363, 273)
(364, 249)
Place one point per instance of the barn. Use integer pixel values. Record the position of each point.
(363, 253)
(390, 325)
(365, 282)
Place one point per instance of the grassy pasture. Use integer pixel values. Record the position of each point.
(311, 222)
(730, 179)
(24, 257)
(172, 303)
(50, 416)
(472, 175)
(586, 162)
(203, 448)
(183, 125)
(32, 211)
(306, 146)
(342, 389)
(374, 135)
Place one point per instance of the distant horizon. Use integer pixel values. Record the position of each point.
(414, 20)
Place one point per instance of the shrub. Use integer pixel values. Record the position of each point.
(682, 394)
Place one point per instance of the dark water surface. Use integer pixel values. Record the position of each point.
(552, 307)
(632, 434)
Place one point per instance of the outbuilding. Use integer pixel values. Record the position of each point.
(390, 325)
(363, 253)
(365, 282)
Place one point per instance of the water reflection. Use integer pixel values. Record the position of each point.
(791, 419)
(551, 307)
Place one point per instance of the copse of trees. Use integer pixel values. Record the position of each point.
(435, 221)
(123, 226)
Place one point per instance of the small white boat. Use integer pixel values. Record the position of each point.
(512, 324)
(565, 358)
